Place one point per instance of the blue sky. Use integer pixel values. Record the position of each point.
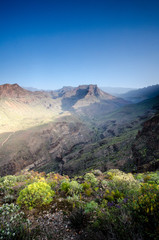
(53, 43)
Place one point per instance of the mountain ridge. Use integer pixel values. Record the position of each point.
(141, 94)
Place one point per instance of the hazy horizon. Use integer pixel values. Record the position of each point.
(106, 87)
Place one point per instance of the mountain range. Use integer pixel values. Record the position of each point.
(73, 129)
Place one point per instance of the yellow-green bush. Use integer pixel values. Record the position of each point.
(124, 183)
(35, 195)
(113, 195)
(89, 177)
(148, 200)
(70, 187)
(146, 211)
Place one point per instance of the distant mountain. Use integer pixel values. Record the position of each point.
(90, 100)
(116, 91)
(82, 91)
(141, 94)
(20, 108)
(12, 91)
(84, 95)
(32, 89)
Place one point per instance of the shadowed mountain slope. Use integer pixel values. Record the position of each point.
(141, 94)
(146, 146)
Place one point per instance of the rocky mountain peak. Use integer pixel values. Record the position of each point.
(12, 90)
(88, 91)
(92, 90)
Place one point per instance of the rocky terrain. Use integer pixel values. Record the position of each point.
(145, 148)
(71, 130)
(43, 146)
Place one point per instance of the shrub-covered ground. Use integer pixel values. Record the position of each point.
(112, 205)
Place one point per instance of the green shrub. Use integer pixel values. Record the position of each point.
(75, 187)
(139, 177)
(124, 183)
(7, 183)
(87, 188)
(74, 200)
(112, 196)
(104, 183)
(91, 207)
(89, 177)
(113, 172)
(71, 187)
(35, 195)
(9, 198)
(88, 192)
(147, 202)
(153, 178)
(65, 185)
(146, 210)
(86, 185)
(13, 224)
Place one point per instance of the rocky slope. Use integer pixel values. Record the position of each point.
(21, 109)
(43, 146)
(145, 148)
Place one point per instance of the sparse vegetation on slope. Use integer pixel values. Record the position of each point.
(92, 206)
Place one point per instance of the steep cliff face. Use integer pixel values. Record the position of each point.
(145, 148)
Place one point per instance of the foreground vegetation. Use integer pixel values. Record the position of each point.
(112, 205)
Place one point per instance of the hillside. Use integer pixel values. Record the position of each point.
(41, 146)
(141, 94)
(145, 148)
(21, 109)
(115, 134)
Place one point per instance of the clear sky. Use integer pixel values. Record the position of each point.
(48, 44)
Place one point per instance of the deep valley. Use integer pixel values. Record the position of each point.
(74, 130)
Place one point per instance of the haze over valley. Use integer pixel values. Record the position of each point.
(71, 130)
